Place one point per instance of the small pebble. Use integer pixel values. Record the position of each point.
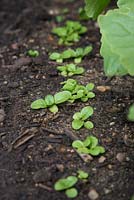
(93, 195)
(102, 88)
(106, 191)
(120, 157)
(101, 159)
(60, 167)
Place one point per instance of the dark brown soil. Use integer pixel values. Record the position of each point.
(35, 146)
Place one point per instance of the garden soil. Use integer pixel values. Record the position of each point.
(35, 145)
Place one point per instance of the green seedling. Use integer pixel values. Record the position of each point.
(78, 91)
(77, 54)
(33, 53)
(82, 14)
(67, 185)
(88, 146)
(80, 117)
(59, 18)
(71, 193)
(69, 33)
(130, 115)
(51, 101)
(82, 175)
(70, 70)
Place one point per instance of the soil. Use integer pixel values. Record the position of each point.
(35, 146)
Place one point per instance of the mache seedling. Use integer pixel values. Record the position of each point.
(69, 33)
(33, 53)
(78, 91)
(88, 146)
(82, 175)
(70, 70)
(67, 184)
(130, 115)
(77, 54)
(51, 101)
(80, 117)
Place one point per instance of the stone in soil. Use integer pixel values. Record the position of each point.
(93, 195)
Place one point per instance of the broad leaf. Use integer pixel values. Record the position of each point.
(53, 109)
(77, 124)
(86, 112)
(49, 100)
(39, 103)
(94, 7)
(77, 144)
(61, 97)
(71, 193)
(65, 183)
(118, 45)
(89, 125)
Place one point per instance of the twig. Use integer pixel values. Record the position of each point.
(43, 186)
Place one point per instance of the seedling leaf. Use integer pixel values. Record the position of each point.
(61, 97)
(71, 193)
(89, 125)
(86, 112)
(82, 174)
(65, 183)
(53, 109)
(49, 100)
(77, 124)
(39, 103)
(77, 144)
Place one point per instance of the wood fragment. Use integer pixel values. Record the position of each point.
(23, 138)
(43, 186)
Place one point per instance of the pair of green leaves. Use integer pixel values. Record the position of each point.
(33, 53)
(77, 54)
(51, 101)
(70, 70)
(80, 117)
(78, 91)
(68, 183)
(118, 46)
(88, 146)
(69, 33)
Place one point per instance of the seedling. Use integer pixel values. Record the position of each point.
(69, 33)
(59, 18)
(33, 53)
(80, 117)
(67, 185)
(78, 91)
(51, 101)
(77, 54)
(82, 175)
(130, 115)
(88, 146)
(82, 14)
(70, 70)
(71, 193)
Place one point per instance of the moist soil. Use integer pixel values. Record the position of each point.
(35, 146)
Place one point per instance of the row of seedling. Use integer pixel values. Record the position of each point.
(72, 91)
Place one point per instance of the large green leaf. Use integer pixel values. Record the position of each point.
(126, 4)
(117, 28)
(94, 7)
(61, 97)
(65, 183)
